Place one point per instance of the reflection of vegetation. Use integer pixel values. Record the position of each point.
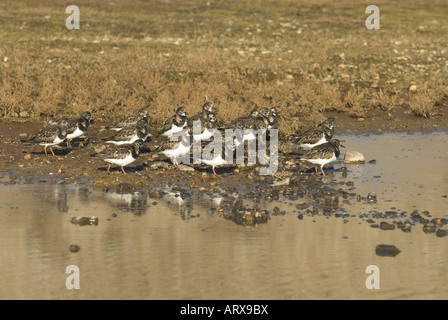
(298, 55)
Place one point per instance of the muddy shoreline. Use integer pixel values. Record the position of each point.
(27, 163)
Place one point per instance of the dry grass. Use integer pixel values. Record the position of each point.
(307, 59)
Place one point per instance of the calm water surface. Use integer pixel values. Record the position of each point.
(143, 250)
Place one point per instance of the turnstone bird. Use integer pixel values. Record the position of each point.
(329, 123)
(76, 127)
(241, 122)
(272, 118)
(312, 138)
(323, 154)
(131, 120)
(176, 149)
(121, 155)
(218, 158)
(207, 108)
(130, 134)
(48, 137)
(176, 123)
(210, 126)
(257, 119)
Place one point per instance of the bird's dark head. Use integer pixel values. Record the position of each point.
(143, 112)
(86, 116)
(211, 117)
(264, 112)
(138, 144)
(208, 107)
(182, 111)
(336, 143)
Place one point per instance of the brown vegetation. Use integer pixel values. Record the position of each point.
(306, 59)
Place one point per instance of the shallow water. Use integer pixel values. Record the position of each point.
(168, 248)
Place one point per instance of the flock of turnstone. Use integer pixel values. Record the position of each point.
(125, 146)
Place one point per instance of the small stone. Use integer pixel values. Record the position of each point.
(441, 233)
(387, 226)
(371, 197)
(85, 221)
(27, 157)
(74, 248)
(282, 182)
(429, 228)
(160, 164)
(384, 250)
(185, 168)
(353, 157)
(24, 114)
(413, 88)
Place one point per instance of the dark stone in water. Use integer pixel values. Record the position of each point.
(384, 250)
(429, 228)
(300, 217)
(371, 197)
(373, 161)
(85, 221)
(406, 227)
(387, 226)
(441, 233)
(302, 205)
(74, 248)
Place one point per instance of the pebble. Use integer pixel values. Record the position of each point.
(384, 250)
(371, 197)
(85, 221)
(353, 157)
(74, 248)
(185, 168)
(160, 164)
(387, 226)
(441, 233)
(429, 228)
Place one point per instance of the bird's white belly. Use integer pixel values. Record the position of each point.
(321, 162)
(122, 162)
(77, 133)
(312, 145)
(217, 161)
(205, 135)
(174, 129)
(133, 139)
(178, 151)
